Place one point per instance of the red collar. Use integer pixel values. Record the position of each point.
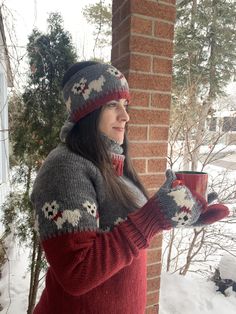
(118, 163)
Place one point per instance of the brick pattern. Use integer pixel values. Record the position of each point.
(142, 48)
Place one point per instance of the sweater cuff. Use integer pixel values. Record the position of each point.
(146, 222)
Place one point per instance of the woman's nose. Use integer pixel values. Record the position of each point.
(123, 114)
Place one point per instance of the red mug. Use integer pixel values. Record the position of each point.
(194, 180)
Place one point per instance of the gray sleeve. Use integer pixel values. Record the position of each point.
(64, 197)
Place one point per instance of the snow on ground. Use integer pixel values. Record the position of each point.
(204, 149)
(14, 283)
(227, 266)
(193, 295)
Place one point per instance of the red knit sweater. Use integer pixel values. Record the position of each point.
(99, 272)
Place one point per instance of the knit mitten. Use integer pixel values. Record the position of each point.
(182, 208)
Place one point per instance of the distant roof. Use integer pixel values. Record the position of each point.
(9, 72)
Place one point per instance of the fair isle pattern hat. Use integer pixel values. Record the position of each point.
(91, 88)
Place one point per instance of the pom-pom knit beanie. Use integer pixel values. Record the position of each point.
(92, 87)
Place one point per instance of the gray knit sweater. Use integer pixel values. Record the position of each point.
(95, 247)
(69, 195)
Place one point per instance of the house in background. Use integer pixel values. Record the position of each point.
(223, 119)
(5, 82)
(224, 122)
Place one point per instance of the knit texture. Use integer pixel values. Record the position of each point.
(92, 87)
(95, 247)
(184, 208)
(95, 252)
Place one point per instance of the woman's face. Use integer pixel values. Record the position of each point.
(113, 119)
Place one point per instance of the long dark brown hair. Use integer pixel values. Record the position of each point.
(86, 140)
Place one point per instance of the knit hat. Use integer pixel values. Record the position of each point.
(91, 88)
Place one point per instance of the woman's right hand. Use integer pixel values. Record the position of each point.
(182, 208)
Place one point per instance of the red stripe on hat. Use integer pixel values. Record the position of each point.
(90, 106)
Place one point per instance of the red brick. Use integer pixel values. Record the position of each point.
(148, 149)
(153, 9)
(137, 133)
(161, 101)
(151, 46)
(156, 241)
(153, 309)
(146, 116)
(116, 5)
(164, 30)
(140, 99)
(150, 82)
(170, 1)
(152, 181)
(161, 65)
(122, 64)
(154, 270)
(122, 30)
(134, 47)
(140, 63)
(152, 191)
(158, 133)
(153, 256)
(139, 165)
(157, 165)
(125, 9)
(124, 45)
(153, 284)
(141, 26)
(115, 20)
(152, 298)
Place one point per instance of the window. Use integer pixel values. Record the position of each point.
(229, 124)
(212, 126)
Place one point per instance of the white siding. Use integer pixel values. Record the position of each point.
(4, 134)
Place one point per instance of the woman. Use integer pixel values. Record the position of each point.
(92, 212)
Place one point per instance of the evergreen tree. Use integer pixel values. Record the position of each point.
(44, 112)
(36, 117)
(204, 62)
(205, 46)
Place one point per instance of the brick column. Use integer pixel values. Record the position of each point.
(142, 48)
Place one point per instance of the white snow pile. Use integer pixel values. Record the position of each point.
(193, 295)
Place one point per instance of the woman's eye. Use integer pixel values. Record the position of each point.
(111, 105)
(117, 105)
